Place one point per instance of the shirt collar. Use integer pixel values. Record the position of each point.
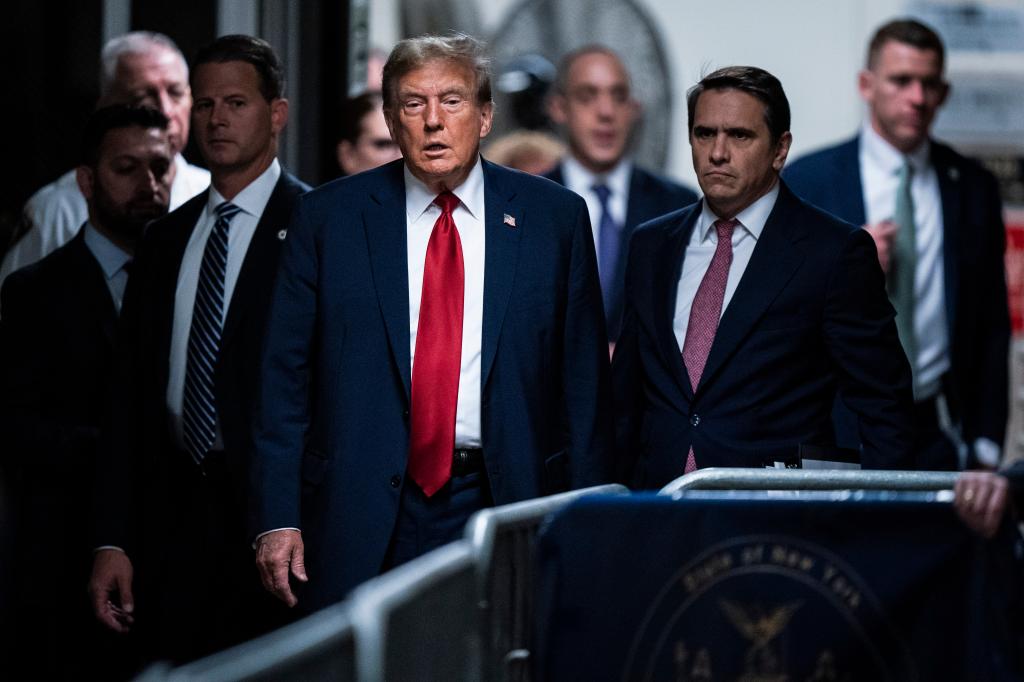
(109, 255)
(752, 218)
(419, 198)
(887, 158)
(254, 197)
(577, 176)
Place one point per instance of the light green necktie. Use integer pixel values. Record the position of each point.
(903, 265)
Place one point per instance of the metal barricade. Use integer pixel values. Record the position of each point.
(503, 540)
(418, 621)
(803, 479)
(318, 647)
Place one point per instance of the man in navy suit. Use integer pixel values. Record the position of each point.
(436, 344)
(172, 508)
(940, 239)
(745, 313)
(57, 354)
(592, 102)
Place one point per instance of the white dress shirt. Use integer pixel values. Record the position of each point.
(701, 249)
(880, 165)
(421, 213)
(57, 211)
(580, 180)
(251, 200)
(112, 259)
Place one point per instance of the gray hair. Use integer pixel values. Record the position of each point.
(136, 42)
(413, 53)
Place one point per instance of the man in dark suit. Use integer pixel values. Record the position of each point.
(936, 219)
(593, 104)
(173, 499)
(57, 355)
(406, 384)
(746, 312)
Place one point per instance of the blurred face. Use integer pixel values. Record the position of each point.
(438, 123)
(597, 110)
(156, 79)
(130, 184)
(903, 90)
(733, 154)
(236, 128)
(374, 146)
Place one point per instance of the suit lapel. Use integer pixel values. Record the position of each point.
(950, 191)
(666, 290)
(92, 277)
(851, 196)
(385, 224)
(501, 248)
(261, 257)
(771, 266)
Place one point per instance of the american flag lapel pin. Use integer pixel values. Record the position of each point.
(509, 220)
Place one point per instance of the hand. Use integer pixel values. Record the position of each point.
(884, 234)
(981, 498)
(112, 575)
(277, 553)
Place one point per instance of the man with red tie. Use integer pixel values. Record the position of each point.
(436, 344)
(746, 312)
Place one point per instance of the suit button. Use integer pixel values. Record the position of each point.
(405, 414)
(396, 481)
(694, 420)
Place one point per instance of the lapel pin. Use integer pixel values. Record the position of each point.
(954, 173)
(282, 234)
(509, 220)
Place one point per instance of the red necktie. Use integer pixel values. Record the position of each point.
(438, 358)
(706, 312)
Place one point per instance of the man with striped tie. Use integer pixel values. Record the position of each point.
(172, 503)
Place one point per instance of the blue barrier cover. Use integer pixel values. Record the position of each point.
(755, 588)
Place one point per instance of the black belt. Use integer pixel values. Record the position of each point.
(467, 461)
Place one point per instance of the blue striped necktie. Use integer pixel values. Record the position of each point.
(199, 412)
(608, 242)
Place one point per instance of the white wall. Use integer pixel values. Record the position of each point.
(815, 47)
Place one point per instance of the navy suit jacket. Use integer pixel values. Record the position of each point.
(650, 196)
(135, 500)
(333, 429)
(974, 240)
(810, 316)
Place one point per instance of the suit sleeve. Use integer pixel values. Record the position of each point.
(587, 382)
(284, 404)
(986, 408)
(873, 373)
(626, 381)
(33, 440)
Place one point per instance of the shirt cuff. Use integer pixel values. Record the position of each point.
(268, 532)
(987, 452)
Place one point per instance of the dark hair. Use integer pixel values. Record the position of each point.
(353, 112)
(115, 117)
(413, 53)
(909, 32)
(255, 51)
(753, 81)
(561, 83)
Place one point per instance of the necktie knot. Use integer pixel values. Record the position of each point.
(447, 202)
(725, 228)
(603, 193)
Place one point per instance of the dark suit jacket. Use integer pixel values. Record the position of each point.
(810, 316)
(650, 196)
(142, 451)
(56, 353)
(974, 240)
(333, 432)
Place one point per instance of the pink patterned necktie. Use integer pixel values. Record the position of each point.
(706, 311)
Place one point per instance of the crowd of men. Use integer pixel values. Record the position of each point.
(278, 391)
